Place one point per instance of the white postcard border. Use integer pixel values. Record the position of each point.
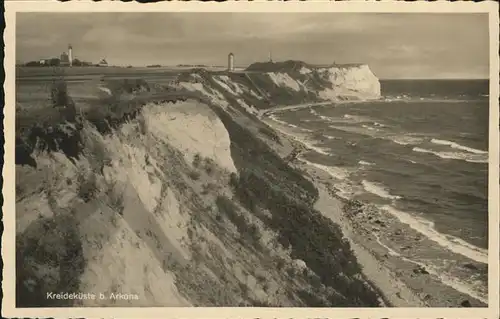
(8, 238)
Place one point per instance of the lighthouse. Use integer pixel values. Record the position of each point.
(70, 55)
(230, 62)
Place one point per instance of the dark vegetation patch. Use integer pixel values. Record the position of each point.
(281, 95)
(54, 128)
(270, 133)
(202, 288)
(313, 80)
(246, 229)
(317, 82)
(87, 186)
(58, 127)
(116, 199)
(49, 258)
(248, 152)
(245, 80)
(312, 299)
(209, 82)
(285, 66)
(188, 75)
(130, 86)
(64, 137)
(264, 179)
(293, 65)
(197, 160)
(126, 102)
(194, 175)
(209, 166)
(272, 94)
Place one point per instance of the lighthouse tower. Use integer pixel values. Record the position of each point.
(70, 55)
(230, 62)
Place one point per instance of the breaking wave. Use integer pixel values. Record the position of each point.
(444, 278)
(452, 243)
(458, 146)
(378, 190)
(365, 163)
(468, 157)
(274, 118)
(308, 144)
(406, 140)
(333, 171)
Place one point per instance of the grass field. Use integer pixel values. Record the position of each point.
(33, 84)
(83, 85)
(41, 73)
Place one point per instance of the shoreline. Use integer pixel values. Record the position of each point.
(402, 281)
(266, 113)
(263, 114)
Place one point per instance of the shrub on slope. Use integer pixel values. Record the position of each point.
(49, 259)
(281, 95)
(284, 66)
(58, 128)
(264, 179)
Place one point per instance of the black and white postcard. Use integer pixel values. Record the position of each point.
(251, 159)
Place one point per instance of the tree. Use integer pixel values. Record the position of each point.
(33, 63)
(54, 62)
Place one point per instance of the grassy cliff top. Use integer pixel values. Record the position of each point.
(290, 65)
(293, 65)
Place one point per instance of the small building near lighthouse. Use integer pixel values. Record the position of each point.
(64, 59)
(230, 62)
(103, 63)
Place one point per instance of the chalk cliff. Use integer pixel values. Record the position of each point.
(336, 82)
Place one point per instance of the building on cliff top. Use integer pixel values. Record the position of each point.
(103, 62)
(64, 60)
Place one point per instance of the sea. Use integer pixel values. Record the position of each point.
(420, 152)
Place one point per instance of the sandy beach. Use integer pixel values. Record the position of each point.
(403, 282)
(283, 108)
(290, 107)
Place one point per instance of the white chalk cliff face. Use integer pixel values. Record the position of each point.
(353, 82)
(193, 129)
(356, 81)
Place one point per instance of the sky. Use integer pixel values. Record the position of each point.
(394, 45)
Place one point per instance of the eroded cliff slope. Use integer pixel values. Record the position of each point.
(179, 196)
